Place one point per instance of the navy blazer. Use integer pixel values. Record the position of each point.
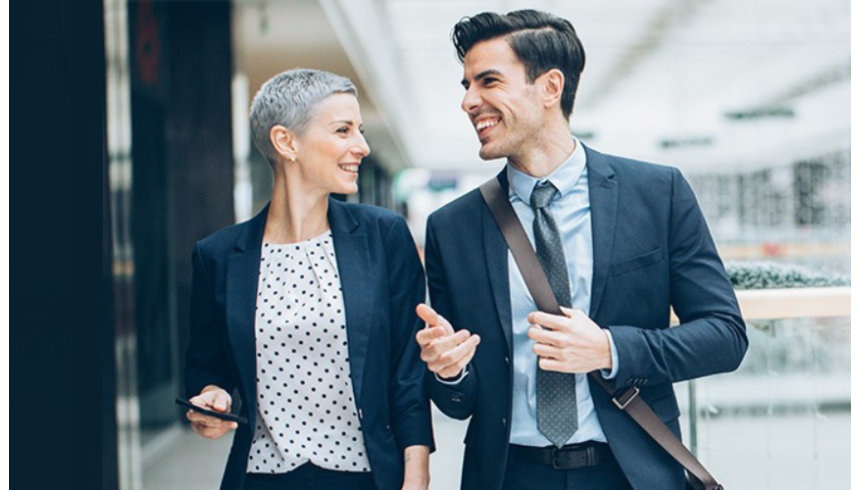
(652, 250)
(382, 281)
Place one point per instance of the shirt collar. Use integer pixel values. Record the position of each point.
(564, 177)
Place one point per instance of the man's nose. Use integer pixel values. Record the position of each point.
(470, 101)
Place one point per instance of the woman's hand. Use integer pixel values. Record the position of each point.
(214, 398)
(416, 468)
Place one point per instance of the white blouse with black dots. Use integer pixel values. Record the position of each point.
(305, 405)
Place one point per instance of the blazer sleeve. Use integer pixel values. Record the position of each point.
(711, 337)
(454, 400)
(206, 359)
(412, 423)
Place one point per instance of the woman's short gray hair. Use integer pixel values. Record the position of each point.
(288, 99)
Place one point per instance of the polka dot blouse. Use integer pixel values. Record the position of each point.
(306, 407)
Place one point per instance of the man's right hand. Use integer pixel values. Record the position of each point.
(214, 398)
(445, 352)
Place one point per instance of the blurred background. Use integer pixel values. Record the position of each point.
(749, 99)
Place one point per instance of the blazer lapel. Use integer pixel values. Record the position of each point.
(241, 293)
(495, 251)
(602, 188)
(353, 265)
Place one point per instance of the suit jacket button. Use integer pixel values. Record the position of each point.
(506, 359)
(504, 421)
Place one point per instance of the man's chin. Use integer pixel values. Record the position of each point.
(487, 153)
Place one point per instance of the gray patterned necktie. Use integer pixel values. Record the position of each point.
(557, 412)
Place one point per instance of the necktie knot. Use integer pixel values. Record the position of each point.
(543, 193)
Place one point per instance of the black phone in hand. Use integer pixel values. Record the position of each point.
(213, 413)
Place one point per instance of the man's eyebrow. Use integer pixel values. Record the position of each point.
(481, 75)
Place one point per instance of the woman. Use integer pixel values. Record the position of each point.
(308, 310)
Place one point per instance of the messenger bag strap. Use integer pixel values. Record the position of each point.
(538, 285)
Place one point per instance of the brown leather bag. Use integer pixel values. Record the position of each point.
(697, 477)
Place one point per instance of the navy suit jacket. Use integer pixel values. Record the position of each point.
(652, 250)
(382, 281)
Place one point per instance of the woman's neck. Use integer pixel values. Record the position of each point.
(295, 215)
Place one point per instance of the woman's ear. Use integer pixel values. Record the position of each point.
(552, 84)
(284, 142)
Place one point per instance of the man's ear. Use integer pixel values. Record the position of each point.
(552, 86)
(284, 142)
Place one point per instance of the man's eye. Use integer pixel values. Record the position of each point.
(343, 130)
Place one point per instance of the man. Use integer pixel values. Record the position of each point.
(633, 243)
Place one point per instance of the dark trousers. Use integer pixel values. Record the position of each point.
(310, 477)
(529, 475)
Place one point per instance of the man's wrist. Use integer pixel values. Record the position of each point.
(607, 361)
(454, 380)
(610, 372)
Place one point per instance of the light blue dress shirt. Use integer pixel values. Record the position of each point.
(572, 212)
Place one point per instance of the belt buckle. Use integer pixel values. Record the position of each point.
(557, 464)
(570, 459)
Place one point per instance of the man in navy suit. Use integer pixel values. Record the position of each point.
(634, 243)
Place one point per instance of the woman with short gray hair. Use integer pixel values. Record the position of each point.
(307, 310)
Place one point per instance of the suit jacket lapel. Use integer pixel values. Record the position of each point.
(602, 188)
(241, 293)
(353, 265)
(495, 251)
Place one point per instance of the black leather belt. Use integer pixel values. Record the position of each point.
(569, 457)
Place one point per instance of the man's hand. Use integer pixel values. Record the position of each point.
(445, 352)
(213, 398)
(572, 344)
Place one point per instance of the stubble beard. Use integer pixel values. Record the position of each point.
(505, 148)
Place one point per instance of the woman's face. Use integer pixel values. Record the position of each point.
(332, 145)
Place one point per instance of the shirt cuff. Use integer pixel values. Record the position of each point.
(454, 381)
(606, 374)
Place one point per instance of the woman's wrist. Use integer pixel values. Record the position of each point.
(416, 469)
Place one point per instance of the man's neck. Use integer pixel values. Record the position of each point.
(553, 147)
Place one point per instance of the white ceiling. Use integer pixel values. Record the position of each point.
(660, 74)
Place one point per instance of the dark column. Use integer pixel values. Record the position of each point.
(62, 416)
(153, 315)
(183, 178)
(199, 137)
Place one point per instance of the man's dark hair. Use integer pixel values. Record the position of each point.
(541, 40)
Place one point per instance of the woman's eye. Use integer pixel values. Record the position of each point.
(343, 130)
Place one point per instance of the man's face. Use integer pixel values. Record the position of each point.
(504, 108)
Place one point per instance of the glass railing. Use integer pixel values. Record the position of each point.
(782, 420)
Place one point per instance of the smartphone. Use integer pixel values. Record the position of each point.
(220, 415)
